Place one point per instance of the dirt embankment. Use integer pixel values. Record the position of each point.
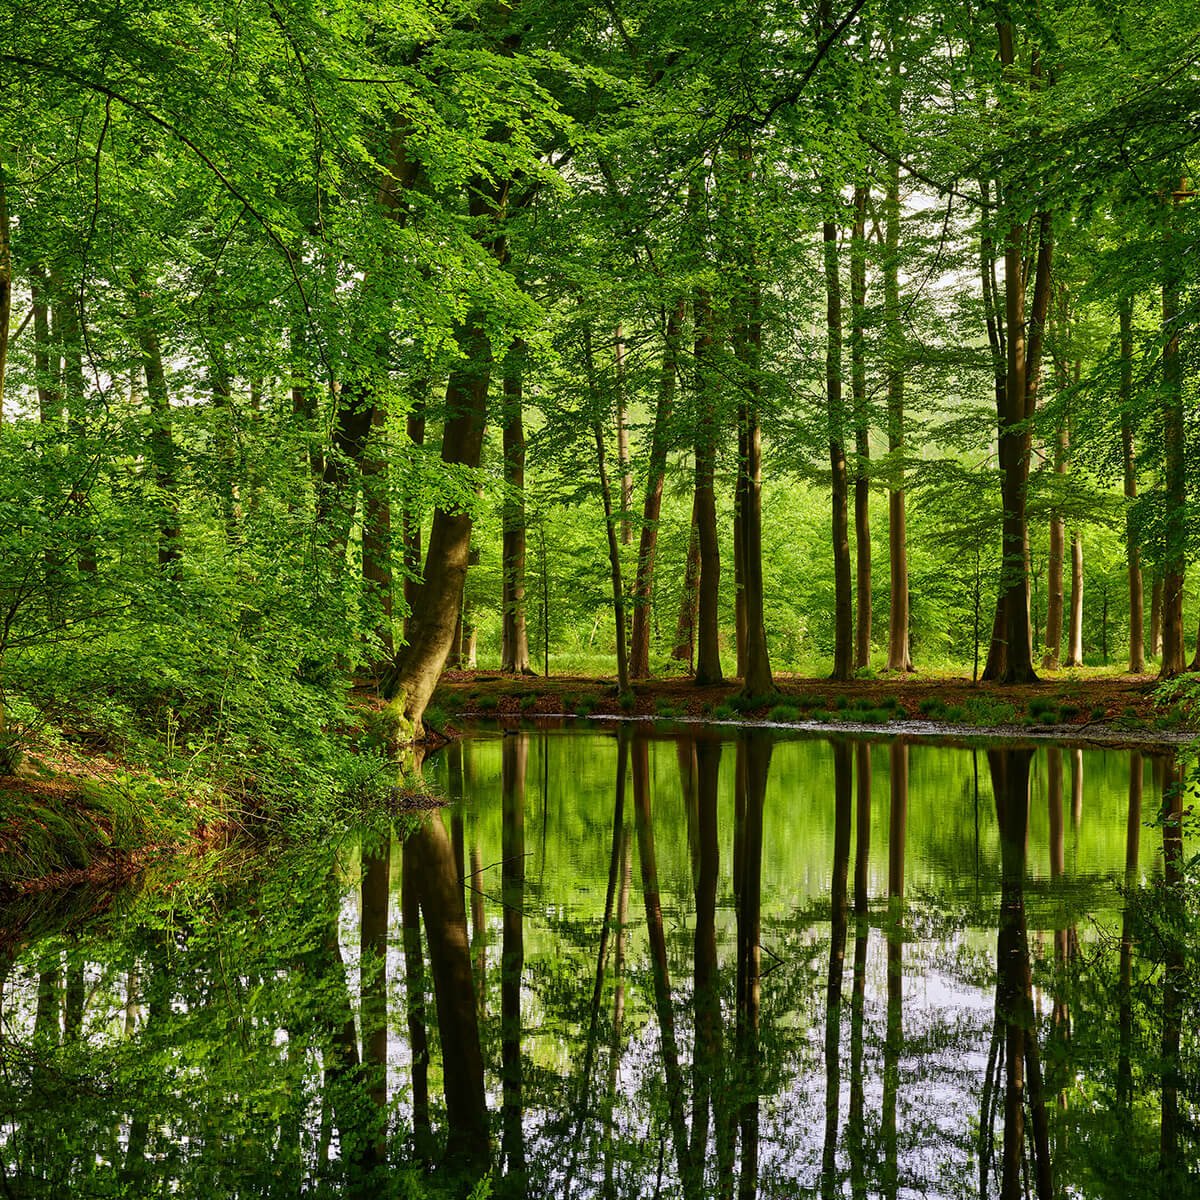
(1106, 708)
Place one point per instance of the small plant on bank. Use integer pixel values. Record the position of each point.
(784, 712)
(627, 702)
(725, 712)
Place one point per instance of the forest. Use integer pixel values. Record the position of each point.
(728, 340)
(472, 474)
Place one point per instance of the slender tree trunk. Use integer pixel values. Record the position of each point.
(1015, 442)
(6, 286)
(756, 675)
(623, 458)
(1174, 449)
(708, 651)
(643, 587)
(1137, 650)
(1156, 595)
(1054, 586)
(410, 533)
(997, 658)
(843, 636)
(514, 647)
(899, 657)
(610, 519)
(689, 601)
(1075, 634)
(862, 445)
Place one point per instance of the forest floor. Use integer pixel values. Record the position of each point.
(1105, 707)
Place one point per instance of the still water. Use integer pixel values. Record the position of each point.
(631, 964)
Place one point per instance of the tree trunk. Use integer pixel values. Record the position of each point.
(614, 559)
(411, 519)
(756, 673)
(514, 642)
(708, 651)
(1174, 449)
(436, 611)
(689, 603)
(6, 285)
(1137, 650)
(1075, 636)
(843, 630)
(899, 657)
(643, 587)
(862, 445)
(1015, 439)
(1156, 595)
(623, 458)
(1054, 586)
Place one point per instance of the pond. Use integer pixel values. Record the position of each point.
(638, 963)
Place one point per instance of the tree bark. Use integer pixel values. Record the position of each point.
(1174, 449)
(1054, 587)
(843, 630)
(756, 673)
(6, 286)
(410, 533)
(689, 602)
(1075, 635)
(1014, 437)
(708, 650)
(899, 657)
(1137, 649)
(623, 458)
(862, 445)
(514, 642)
(643, 587)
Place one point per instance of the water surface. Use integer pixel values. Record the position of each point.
(634, 964)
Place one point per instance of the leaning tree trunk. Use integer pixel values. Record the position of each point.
(1137, 649)
(623, 457)
(862, 444)
(414, 675)
(843, 643)
(436, 612)
(643, 587)
(514, 644)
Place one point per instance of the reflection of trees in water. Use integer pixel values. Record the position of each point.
(651, 1066)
